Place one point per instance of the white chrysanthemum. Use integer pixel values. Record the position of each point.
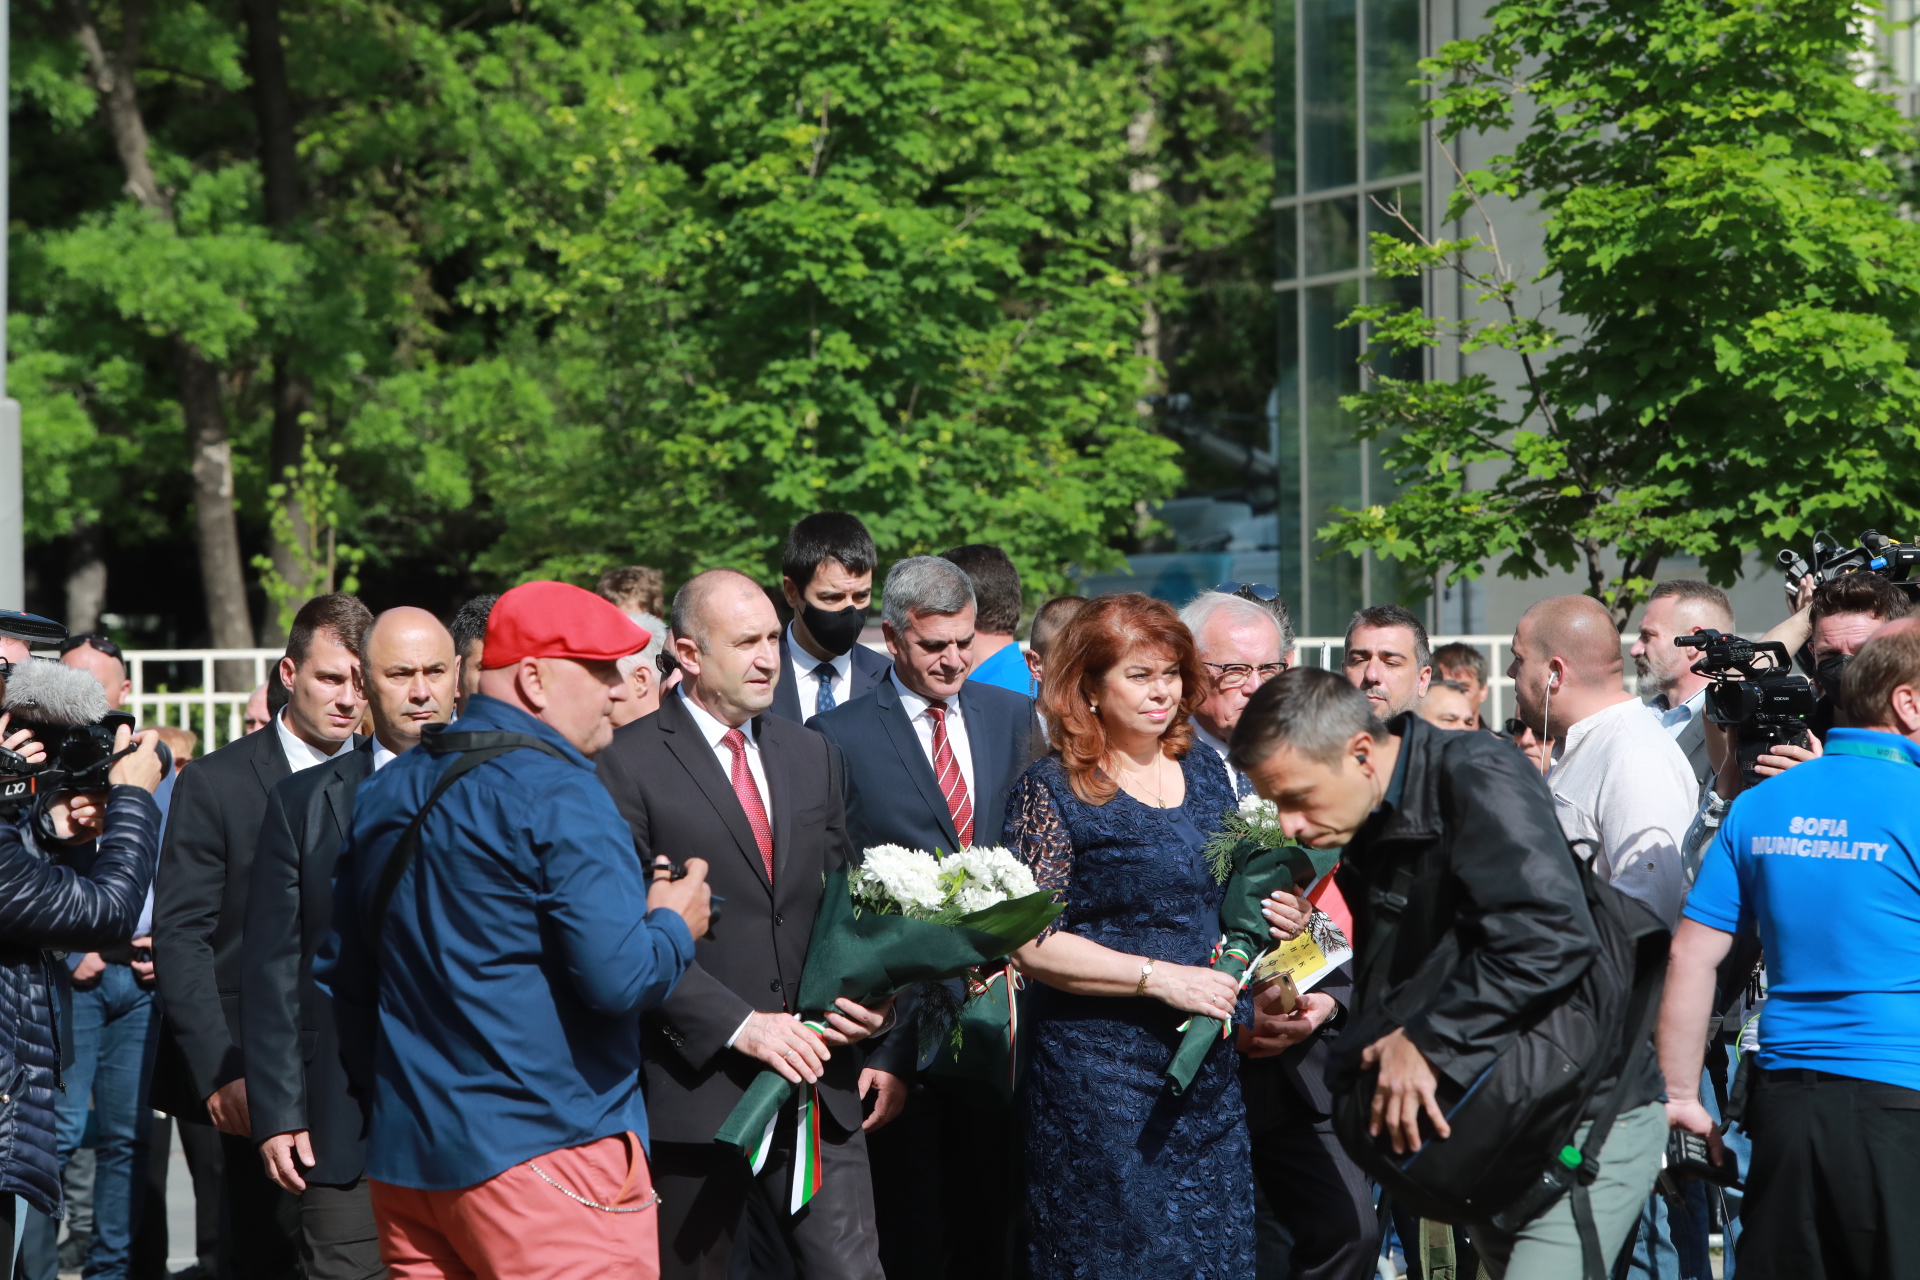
(1259, 812)
(991, 875)
(907, 877)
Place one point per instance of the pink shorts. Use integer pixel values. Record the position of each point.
(524, 1225)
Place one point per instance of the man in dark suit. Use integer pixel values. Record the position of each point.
(200, 900)
(1680, 608)
(310, 1130)
(930, 756)
(827, 576)
(759, 797)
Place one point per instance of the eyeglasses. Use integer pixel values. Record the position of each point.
(1515, 726)
(1234, 674)
(1247, 590)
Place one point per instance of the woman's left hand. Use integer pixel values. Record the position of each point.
(1288, 913)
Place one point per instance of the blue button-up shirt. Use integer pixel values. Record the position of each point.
(497, 1016)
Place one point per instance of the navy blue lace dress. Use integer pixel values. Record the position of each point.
(1124, 1179)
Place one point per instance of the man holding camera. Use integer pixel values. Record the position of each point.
(1825, 860)
(89, 900)
(200, 901)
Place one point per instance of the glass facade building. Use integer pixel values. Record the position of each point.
(1350, 147)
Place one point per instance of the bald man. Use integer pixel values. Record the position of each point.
(309, 1128)
(1622, 787)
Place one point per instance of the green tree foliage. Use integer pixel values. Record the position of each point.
(611, 281)
(1740, 288)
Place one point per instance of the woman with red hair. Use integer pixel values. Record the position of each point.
(1123, 1177)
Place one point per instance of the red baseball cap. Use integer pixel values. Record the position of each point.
(558, 620)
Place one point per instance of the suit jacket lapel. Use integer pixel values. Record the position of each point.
(983, 743)
(780, 797)
(906, 744)
(270, 764)
(690, 748)
(875, 675)
(342, 785)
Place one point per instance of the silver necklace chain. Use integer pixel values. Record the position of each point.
(653, 1198)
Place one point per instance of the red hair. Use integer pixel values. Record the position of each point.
(1097, 640)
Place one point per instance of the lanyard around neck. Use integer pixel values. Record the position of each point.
(1871, 750)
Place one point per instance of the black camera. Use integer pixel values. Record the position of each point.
(1754, 690)
(1875, 553)
(67, 712)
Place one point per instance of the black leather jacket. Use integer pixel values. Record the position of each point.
(1493, 865)
(46, 905)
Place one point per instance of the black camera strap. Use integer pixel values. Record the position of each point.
(474, 750)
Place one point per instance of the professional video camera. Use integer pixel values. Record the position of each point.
(1876, 553)
(1754, 689)
(67, 711)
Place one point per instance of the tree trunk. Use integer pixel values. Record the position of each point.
(86, 580)
(222, 575)
(1147, 233)
(292, 389)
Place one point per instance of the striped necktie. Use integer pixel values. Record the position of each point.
(952, 785)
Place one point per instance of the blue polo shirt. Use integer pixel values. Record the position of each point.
(496, 1018)
(1825, 859)
(1008, 669)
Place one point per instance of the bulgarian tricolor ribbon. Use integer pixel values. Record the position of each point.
(806, 1143)
(1220, 949)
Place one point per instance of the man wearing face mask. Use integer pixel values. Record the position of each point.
(827, 576)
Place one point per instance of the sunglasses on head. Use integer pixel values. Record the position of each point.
(1247, 590)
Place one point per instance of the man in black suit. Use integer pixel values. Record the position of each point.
(930, 756)
(827, 575)
(759, 797)
(200, 902)
(310, 1130)
(1679, 608)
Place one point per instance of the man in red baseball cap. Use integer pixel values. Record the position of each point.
(488, 985)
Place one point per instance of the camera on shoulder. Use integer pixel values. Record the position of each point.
(1755, 690)
(67, 711)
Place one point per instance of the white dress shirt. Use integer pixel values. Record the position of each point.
(713, 731)
(808, 686)
(300, 755)
(1241, 787)
(381, 756)
(916, 707)
(1675, 719)
(1625, 796)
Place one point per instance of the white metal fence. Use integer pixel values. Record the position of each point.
(176, 686)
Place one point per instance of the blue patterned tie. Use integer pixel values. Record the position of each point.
(1242, 785)
(824, 702)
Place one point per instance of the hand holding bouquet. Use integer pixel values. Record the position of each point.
(903, 917)
(1253, 857)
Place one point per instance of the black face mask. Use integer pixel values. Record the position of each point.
(836, 632)
(1829, 670)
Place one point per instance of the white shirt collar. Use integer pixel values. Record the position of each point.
(711, 729)
(1577, 733)
(916, 705)
(1200, 732)
(381, 756)
(300, 754)
(805, 662)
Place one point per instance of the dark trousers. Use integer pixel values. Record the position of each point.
(1316, 1193)
(260, 1223)
(707, 1193)
(1834, 1192)
(946, 1180)
(339, 1239)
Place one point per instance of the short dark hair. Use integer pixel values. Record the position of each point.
(1311, 709)
(1884, 663)
(469, 623)
(1461, 657)
(826, 535)
(1867, 593)
(1051, 619)
(338, 613)
(1694, 589)
(1392, 615)
(996, 586)
(634, 588)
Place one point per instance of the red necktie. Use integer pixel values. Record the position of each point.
(947, 770)
(743, 786)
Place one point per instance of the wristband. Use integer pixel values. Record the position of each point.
(1146, 971)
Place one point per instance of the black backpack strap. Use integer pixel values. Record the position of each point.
(474, 750)
(1643, 1007)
